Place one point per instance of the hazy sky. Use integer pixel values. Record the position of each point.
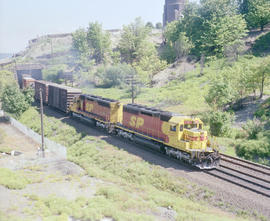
(21, 20)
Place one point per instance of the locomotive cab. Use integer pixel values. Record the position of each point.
(187, 134)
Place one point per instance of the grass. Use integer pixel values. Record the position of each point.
(12, 180)
(4, 149)
(183, 97)
(131, 189)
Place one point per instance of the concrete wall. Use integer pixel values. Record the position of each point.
(50, 145)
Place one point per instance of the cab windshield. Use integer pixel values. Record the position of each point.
(190, 126)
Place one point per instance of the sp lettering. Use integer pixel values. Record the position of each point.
(136, 122)
(89, 107)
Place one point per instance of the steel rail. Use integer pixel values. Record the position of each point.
(238, 184)
(244, 161)
(246, 174)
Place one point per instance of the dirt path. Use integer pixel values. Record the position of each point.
(247, 113)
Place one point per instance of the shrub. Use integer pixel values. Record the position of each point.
(264, 109)
(115, 76)
(220, 123)
(14, 101)
(29, 95)
(252, 149)
(12, 180)
(253, 127)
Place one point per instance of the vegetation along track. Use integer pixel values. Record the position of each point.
(249, 175)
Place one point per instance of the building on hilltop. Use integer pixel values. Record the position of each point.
(173, 10)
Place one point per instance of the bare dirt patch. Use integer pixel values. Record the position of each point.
(250, 106)
(47, 176)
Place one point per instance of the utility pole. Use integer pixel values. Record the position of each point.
(51, 49)
(132, 81)
(41, 120)
(132, 89)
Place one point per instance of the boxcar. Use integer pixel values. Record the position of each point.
(28, 82)
(61, 97)
(44, 86)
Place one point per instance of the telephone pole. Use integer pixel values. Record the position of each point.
(41, 120)
(132, 81)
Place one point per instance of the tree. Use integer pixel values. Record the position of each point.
(149, 25)
(220, 123)
(207, 28)
(158, 25)
(258, 13)
(98, 41)
(220, 94)
(262, 74)
(114, 76)
(149, 63)
(137, 50)
(13, 101)
(6, 78)
(132, 38)
(79, 41)
(222, 25)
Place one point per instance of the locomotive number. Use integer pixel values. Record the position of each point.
(136, 121)
(89, 107)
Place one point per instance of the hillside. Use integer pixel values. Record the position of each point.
(56, 49)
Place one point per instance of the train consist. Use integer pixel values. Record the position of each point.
(176, 135)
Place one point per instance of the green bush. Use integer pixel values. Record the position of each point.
(12, 180)
(252, 149)
(253, 127)
(220, 123)
(115, 76)
(6, 78)
(29, 95)
(14, 101)
(264, 109)
(52, 73)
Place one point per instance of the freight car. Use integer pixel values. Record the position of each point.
(55, 95)
(44, 87)
(28, 81)
(61, 97)
(175, 135)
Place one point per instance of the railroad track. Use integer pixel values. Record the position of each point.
(246, 174)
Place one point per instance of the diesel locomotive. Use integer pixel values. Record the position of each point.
(176, 135)
(173, 134)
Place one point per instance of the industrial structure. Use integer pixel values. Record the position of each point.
(173, 10)
(29, 70)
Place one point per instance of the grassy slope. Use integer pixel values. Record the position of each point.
(133, 190)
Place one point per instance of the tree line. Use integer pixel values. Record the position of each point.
(134, 51)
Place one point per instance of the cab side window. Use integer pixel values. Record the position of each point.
(200, 126)
(173, 128)
(181, 127)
